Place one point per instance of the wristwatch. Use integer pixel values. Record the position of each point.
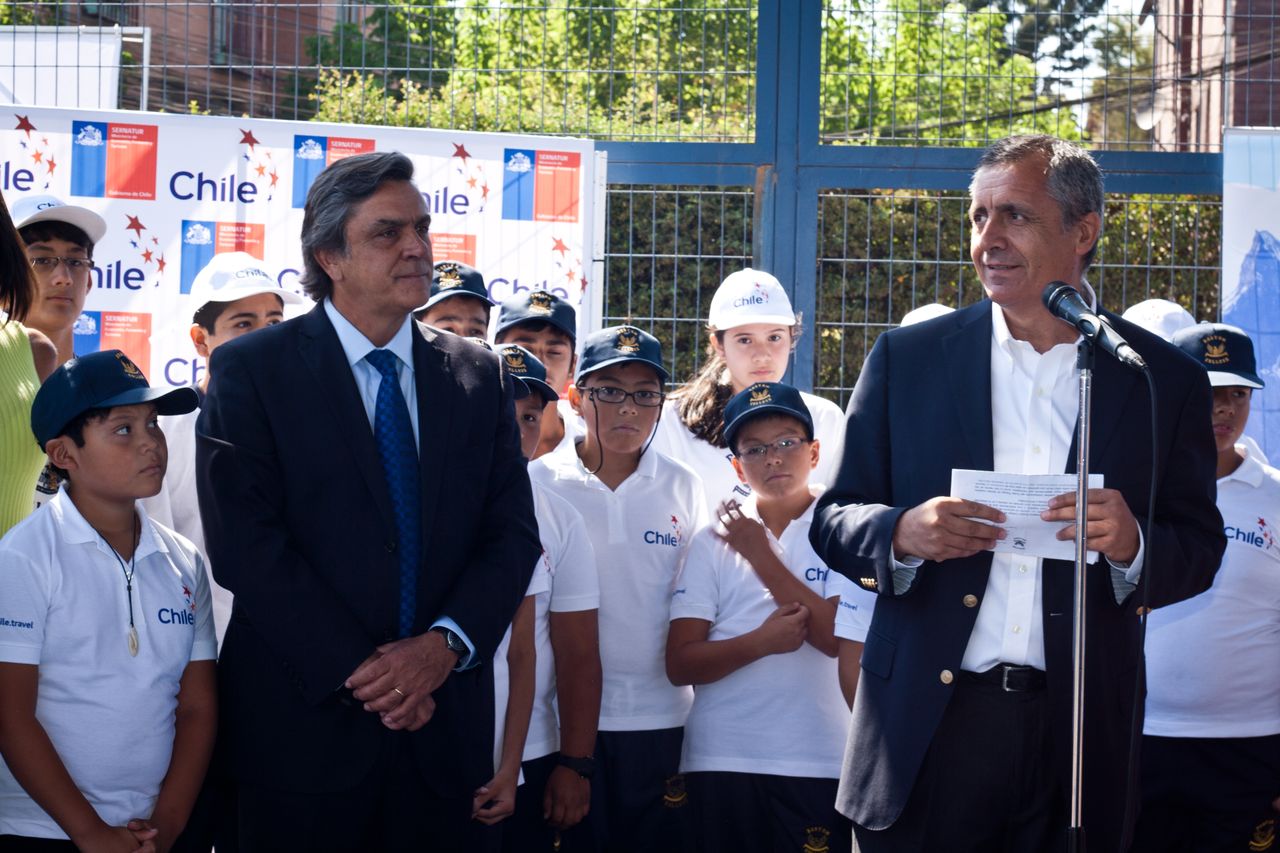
(584, 767)
(454, 642)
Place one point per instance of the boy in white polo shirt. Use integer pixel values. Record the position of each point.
(1211, 737)
(752, 621)
(107, 700)
(234, 296)
(555, 794)
(641, 508)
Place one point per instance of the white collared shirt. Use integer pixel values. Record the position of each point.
(1213, 661)
(640, 533)
(356, 346)
(782, 714)
(64, 609)
(1034, 406)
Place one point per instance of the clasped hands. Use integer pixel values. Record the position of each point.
(397, 680)
(944, 528)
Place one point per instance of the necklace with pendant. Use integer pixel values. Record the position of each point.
(128, 583)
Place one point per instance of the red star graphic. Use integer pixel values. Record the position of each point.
(247, 138)
(261, 170)
(44, 140)
(471, 182)
(155, 241)
(146, 255)
(484, 192)
(51, 164)
(570, 275)
(24, 125)
(675, 520)
(160, 264)
(135, 225)
(186, 591)
(559, 246)
(37, 156)
(1262, 522)
(460, 151)
(583, 283)
(275, 176)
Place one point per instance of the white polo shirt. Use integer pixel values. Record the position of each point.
(63, 608)
(781, 715)
(177, 506)
(719, 481)
(640, 534)
(539, 584)
(1213, 661)
(853, 610)
(570, 563)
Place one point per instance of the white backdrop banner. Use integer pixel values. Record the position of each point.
(1251, 264)
(178, 189)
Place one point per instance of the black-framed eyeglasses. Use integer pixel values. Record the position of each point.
(760, 452)
(616, 396)
(47, 264)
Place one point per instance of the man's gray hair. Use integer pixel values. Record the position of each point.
(1072, 178)
(330, 202)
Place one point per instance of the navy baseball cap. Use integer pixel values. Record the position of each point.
(452, 278)
(99, 380)
(618, 344)
(760, 399)
(540, 306)
(527, 369)
(1225, 351)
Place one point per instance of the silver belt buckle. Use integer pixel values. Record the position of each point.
(1004, 678)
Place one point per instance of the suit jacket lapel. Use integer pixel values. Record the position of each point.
(433, 379)
(323, 354)
(967, 351)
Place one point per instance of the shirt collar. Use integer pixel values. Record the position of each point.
(751, 507)
(75, 530)
(1250, 471)
(566, 465)
(1000, 327)
(356, 346)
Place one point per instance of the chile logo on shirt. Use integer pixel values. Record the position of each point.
(1263, 537)
(114, 159)
(659, 537)
(185, 616)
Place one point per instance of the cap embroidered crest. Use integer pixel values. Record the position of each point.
(130, 369)
(1215, 350)
(450, 276)
(628, 339)
(515, 361)
(760, 395)
(540, 302)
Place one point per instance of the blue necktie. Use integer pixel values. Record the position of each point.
(393, 430)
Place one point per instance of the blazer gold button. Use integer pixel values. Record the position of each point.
(390, 546)
(971, 601)
(946, 677)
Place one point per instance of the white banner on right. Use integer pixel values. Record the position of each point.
(1251, 264)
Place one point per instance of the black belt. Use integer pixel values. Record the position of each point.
(1009, 677)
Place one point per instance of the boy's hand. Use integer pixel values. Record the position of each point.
(744, 535)
(145, 831)
(117, 839)
(495, 800)
(567, 799)
(784, 630)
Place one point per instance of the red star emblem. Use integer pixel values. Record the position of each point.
(675, 520)
(24, 125)
(275, 176)
(484, 192)
(247, 138)
(261, 170)
(37, 156)
(460, 151)
(570, 275)
(135, 225)
(1262, 522)
(186, 591)
(559, 246)
(155, 241)
(583, 283)
(146, 255)
(51, 164)
(471, 182)
(160, 264)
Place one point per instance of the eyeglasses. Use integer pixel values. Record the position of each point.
(760, 452)
(47, 264)
(616, 396)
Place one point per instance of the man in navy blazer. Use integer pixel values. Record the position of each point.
(960, 736)
(347, 723)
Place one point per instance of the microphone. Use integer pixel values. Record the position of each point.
(1065, 303)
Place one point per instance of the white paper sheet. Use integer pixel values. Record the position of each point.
(1022, 497)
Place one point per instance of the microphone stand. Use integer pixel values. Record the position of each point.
(1084, 370)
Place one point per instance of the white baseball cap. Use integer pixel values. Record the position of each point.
(236, 275)
(31, 209)
(1160, 317)
(750, 296)
(925, 312)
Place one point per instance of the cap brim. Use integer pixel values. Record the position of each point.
(732, 428)
(541, 319)
(83, 218)
(622, 359)
(441, 297)
(288, 297)
(168, 401)
(548, 393)
(1222, 379)
(762, 319)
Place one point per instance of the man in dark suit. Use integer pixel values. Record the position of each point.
(372, 580)
(961, 730)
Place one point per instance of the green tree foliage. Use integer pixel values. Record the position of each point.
(38, 12)
(1122, 99)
